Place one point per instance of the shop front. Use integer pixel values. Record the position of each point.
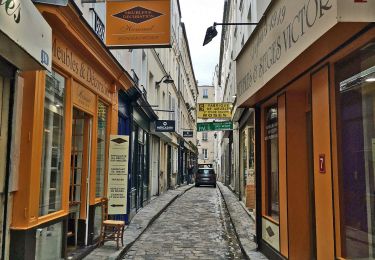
(68, 115)
(311, 82)
(21, 49)
(139, 175)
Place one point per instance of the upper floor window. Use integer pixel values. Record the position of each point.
(205, 93)
(205, 153)
(204, 136)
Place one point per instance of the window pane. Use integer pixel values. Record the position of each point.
(101, 145)
(53, 141)
(356, 123)
(272, 168)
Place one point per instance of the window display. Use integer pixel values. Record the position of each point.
(272, 167)
(53, 145)
(101, 149)
(355, 88)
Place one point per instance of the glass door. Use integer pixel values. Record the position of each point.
(79, 174)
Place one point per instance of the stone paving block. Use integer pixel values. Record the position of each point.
(244, 225)
(138, 225)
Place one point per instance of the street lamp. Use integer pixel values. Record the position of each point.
(166, 79)
(212, 32)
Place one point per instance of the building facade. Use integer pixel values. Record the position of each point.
(237, 146)
(63, 117)
(21, 50)
(206, 139)
(309, 76)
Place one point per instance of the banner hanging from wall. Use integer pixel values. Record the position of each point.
(138, 24)
(118, 174)
(215, 110)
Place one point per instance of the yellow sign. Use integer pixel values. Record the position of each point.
(132, 24)
(215, 110)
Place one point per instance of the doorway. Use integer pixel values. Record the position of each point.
(79, 179)
(169, 167)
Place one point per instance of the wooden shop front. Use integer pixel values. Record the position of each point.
(68, 115)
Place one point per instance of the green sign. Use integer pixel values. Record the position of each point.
(214, 126)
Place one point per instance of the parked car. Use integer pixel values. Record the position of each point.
(205, 176)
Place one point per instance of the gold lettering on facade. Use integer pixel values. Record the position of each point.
(64, 56)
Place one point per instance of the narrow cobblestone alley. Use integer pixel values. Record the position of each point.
(195, 226)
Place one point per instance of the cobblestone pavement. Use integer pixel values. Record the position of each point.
(195, 226)
(138, 225)
(243, 223)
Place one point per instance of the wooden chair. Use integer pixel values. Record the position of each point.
(111, 230)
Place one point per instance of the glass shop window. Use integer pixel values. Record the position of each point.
(355, 92)
(101, 148)
(272, 163)
(53, 145)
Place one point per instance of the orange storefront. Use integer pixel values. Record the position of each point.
(309, 72)
(67, 117)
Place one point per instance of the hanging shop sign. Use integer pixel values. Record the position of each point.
(187, 133)
(25, 37)
(286, 30)
(215, 110)
(138, 24)
(165, 125)
(118, 174)
(214, 126)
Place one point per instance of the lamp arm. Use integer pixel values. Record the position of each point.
(215, 23)
(158, 82)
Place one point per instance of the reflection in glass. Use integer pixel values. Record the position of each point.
(272, 168)
(53, 145)
(356, 125)
(101, 148)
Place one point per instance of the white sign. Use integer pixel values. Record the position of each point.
(118, 174)
(287, 29)
(271, 233)
(25, 37)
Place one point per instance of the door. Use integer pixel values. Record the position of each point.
(79, 179)
(169, 166)
(140, 174)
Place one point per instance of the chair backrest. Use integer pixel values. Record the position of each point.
(104, 202)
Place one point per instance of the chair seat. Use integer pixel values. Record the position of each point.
(114, 222)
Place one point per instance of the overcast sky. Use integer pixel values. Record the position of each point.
(197, 16)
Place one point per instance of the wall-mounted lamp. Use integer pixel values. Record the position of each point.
(165, 79)
(212, 32)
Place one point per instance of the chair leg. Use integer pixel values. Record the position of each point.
(122, 235)
(101, 239)
(117, 237)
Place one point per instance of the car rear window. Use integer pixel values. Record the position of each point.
(206, 171)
